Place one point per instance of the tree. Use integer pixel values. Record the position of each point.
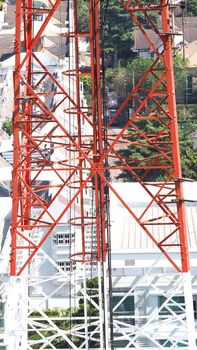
(1, 4)
(118, 28)
(187, 125)
(138, 153)
(191, 8)
(119, 31)
(63, 324)
(60, 342)
(87, 85)
(7, 126)
(180, 72)
(121, 79)
(83, 15)
(92, 311)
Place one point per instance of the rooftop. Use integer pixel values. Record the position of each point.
(140, 42)
(191, 53)
(190, 31)
(58, 42)
(126, 232)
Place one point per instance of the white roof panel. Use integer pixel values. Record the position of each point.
(127, 234)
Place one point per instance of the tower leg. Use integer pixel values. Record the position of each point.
(189, 308)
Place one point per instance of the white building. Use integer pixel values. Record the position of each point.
(141, 276)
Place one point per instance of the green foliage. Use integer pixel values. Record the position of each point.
(184, 110)
(62, 324)
(121, 81)
(7, 127)
(191, 8)
(1, 4)
(119, 31)
(138, 154)
(83, 15)
(86, 80)
(187, 125)
(92, 291)
(92, 311)
(119, 28)
(59, 342)
(122, 78)
(180, 71)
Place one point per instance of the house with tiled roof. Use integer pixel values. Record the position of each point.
(143, 48)
(59, 20)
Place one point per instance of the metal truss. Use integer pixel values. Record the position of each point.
(153, 326)
(149, 325)
(33, 147)
(76, 160)
(56, 145)
(78, 328)
(155, 105)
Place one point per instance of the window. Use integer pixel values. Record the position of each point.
(175, 305)
(38, 17)
(189, 85)
(178, 308)
(119, 342)
(93, 266)
(2, 308)
(168, 344)
(130, 262)
(61, 264)
(125, 310)
(125, 313)
(2, 311)
(195, 306)
(60, 239)
(64, 238)
(68, 266)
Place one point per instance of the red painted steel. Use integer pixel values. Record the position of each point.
(83, 153)
(35, 156)
(157, 106)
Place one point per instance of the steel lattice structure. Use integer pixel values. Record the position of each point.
(27, 168)
(89, 156)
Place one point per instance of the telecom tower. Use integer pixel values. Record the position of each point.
(89, 151)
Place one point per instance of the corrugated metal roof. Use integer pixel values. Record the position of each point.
(126, 232)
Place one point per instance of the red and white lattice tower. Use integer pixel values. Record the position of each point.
(87, 153)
